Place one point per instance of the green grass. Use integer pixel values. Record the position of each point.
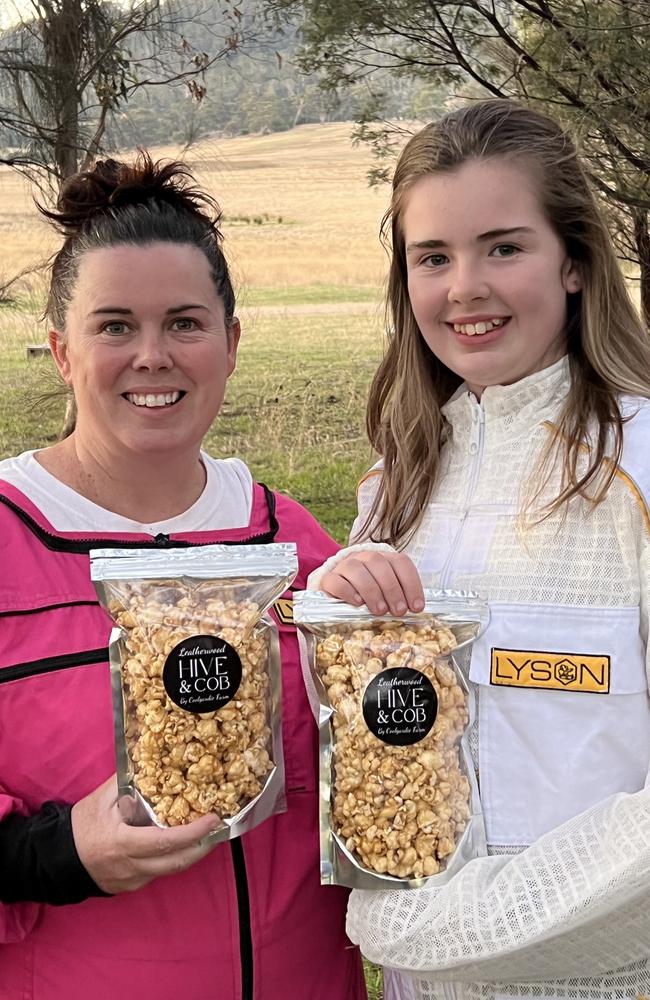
(374, 981)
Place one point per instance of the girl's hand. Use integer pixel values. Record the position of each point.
(122, 858)
(384, 581)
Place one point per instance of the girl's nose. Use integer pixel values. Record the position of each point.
(467, 285)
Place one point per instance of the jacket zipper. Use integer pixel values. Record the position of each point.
(473, 479)
(50, 663)
(244, 914)
(82, 546)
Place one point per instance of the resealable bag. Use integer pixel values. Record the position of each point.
(196, 681)
(399, 802)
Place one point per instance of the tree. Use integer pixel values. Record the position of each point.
(585, 61)
(72, 64)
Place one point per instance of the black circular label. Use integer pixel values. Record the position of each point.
(202, 673)
(400, 706)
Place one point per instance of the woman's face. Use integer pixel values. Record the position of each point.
(146, 348)
(488, 276)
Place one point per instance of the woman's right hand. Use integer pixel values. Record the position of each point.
(122, 858)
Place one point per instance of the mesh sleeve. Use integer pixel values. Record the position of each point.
(368, 489)
(575, 903)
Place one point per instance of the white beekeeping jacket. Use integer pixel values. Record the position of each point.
(561, 906)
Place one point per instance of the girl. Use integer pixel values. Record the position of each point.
(511, 413)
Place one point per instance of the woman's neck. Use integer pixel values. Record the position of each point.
(143, 488)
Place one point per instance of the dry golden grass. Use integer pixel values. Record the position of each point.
(312, 179)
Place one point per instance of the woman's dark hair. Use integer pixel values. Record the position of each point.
(136, 203)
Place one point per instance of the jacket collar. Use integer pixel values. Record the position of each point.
(512, 409)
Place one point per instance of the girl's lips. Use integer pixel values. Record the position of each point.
(478, 339)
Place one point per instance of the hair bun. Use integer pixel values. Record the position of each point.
(113, 184)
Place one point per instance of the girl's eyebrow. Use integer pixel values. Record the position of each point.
(491, 234)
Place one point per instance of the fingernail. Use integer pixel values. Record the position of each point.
(418, 605)
(381, 608)
(400, 608)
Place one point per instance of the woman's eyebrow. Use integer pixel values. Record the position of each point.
(129, 312)
(491, 234)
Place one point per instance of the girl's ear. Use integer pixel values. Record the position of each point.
(571, 277)
(59, 349)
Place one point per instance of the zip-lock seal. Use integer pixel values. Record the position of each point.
(214, 562)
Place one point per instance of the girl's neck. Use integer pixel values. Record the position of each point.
(143, 488)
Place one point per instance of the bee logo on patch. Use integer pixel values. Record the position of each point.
(566, 672)
(284, 610)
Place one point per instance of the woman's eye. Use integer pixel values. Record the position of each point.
(184, 325)
(115, 329)
(505, 250)
(435, 259)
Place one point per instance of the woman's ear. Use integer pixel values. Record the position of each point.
(234, 333)
(59, 349)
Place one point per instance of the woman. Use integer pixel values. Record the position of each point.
(144, 333)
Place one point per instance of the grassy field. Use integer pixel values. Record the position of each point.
(300, 226)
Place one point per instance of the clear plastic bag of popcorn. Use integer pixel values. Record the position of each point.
(399, 802)
(196, 681)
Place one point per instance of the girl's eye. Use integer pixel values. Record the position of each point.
(505, 250)
(115, 329)
(435, 259)
(184, 325)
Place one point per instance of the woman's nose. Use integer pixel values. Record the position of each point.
(152, 351)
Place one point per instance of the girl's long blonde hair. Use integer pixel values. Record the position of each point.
(608, 346)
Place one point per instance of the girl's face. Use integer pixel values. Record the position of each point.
(146, 348)
(487, 275)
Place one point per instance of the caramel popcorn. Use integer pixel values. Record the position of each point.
(187, 764)
(399, 807)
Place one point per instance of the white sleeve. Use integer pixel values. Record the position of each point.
(575, 903)
(365, 498)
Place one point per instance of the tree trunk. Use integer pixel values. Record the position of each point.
(61, 36)
(642, 239)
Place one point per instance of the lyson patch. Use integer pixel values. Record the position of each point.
(553, 671)
(284, 610)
